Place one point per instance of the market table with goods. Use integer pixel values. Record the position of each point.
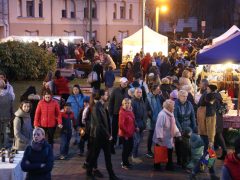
(10, 168)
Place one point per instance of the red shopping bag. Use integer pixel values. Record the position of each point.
(160, 154)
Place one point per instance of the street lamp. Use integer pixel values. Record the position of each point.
(162, 9)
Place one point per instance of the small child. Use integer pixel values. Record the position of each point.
(66, 131)
(109, 78)
(197, 147)
(84, 122)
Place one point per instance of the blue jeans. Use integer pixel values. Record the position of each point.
(137, 138)
(65, 141)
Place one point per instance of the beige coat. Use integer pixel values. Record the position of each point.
(22, 130)
(206, 125)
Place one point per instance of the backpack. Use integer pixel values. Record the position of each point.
(11, 125)
(92, 77)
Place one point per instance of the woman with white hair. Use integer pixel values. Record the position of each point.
(165, 131)
(38, 157)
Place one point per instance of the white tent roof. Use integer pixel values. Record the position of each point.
(153, 42)
(225, 35)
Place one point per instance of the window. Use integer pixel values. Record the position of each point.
(40, 8)
(31, 33)
(94, 10)
(94, 35)
(130, 11)
(122, 35)
(123, 10)
(30, 8)
(72, 9)
(70, 33)
(64, 11)
(19, 10)
(115, 11)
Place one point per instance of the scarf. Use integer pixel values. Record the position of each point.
(38, 146)
(172, 122)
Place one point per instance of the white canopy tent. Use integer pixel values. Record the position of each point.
(153, 42)
(225, 35)
(40, 39)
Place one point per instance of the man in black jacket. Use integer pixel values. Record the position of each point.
(115, 102)
(101, 133)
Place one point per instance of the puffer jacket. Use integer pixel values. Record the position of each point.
(126, 123)
(22, 130)
(184, 115)
(47, 114)
(61, 85)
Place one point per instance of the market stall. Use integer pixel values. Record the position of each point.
(220, 65)
(153, 42)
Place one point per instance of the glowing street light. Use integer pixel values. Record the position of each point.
(162, 9)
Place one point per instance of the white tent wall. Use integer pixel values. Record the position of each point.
(153, 42)
(225, 35)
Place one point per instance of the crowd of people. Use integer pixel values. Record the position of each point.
(155, 95)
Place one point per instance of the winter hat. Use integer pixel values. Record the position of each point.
(187, 131)
(174, 94)
(196, 141)
(237, 145)
(67, 105)
(212, 87)
(123, 80)
(86, 99)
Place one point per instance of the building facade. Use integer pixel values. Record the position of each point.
(4, 26)
(119, 18)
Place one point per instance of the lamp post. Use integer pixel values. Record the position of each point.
(143, 24)
(163, 9)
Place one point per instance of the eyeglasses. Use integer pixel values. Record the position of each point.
(36, 134)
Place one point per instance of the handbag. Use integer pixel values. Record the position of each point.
(160, 154)
(92, 77)
(82, 131)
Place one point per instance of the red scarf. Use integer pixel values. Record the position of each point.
(233, 165)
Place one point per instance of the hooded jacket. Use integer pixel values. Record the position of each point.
(22, 130)
(231, 167)
(126, 123)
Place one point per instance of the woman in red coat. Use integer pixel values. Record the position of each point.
(126, 130)
(48, 116)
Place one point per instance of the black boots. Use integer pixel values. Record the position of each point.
(222, 157)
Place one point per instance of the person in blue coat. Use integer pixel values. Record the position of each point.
(185, 118)
(76, 100)
(154, 106)
(38, 157)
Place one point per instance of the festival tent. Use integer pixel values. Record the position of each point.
(227, 50)
(153, 42)
(225, 35)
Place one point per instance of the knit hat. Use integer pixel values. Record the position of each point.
(237, 145)
(67, 105)
(174, 94)
(196, 141)
(212, 87)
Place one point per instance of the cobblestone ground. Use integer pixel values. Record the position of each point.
(71, 169)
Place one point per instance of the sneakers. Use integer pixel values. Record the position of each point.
(62, 157)
(136, 160)
(149, 154)
(126, 167)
